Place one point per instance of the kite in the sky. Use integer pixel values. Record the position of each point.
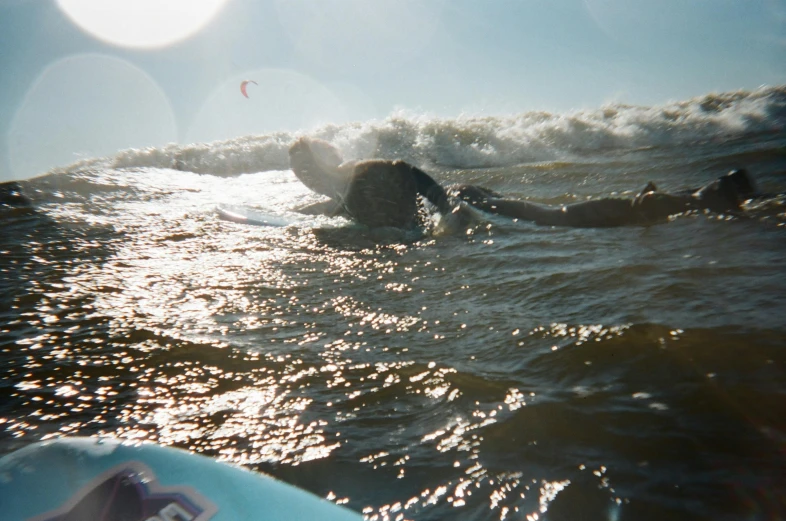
(243, 85)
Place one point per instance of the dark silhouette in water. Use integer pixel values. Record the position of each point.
(12, 196)
(374, 192)
(650, 206)
(385, 193)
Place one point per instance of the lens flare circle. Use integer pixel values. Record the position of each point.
(87, 106)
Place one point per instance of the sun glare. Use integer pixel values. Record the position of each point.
(141, 23)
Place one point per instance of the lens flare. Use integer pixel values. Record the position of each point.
(141, 23)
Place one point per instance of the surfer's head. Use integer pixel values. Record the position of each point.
(315, 162)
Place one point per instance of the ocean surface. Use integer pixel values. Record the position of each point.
(508, 371)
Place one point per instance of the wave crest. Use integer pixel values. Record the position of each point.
(491, 141)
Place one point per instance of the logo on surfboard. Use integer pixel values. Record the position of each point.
(131, 492)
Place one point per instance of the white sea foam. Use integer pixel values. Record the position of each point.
(476, 142)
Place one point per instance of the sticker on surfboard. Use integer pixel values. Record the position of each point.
(131, 492)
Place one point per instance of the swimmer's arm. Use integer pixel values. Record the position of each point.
(431, 190)
(486, 200)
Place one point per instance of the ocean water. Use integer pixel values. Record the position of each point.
(506, 371)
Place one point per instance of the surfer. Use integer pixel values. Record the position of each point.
(650, 206)
(374, 192)
(385, 193)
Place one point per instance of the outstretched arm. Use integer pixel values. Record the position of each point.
(457, 215)
(490, 201)
(432, 191)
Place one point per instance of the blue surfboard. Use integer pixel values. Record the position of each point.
(243, 215)
(88, 479)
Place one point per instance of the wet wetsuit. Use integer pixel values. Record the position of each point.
(385, 193)
(648, 207)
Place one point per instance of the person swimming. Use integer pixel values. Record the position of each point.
(385, 193)
(373, 192)
(650, 206)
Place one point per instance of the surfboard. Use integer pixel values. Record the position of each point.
(243, 215)
(90, 479)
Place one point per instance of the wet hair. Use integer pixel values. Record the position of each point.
(316, 163)
(720, 196)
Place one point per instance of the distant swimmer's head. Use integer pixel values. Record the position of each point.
(315, 162)
(719, 196)
(742, 182)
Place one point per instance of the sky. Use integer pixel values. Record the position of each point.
(86, 78)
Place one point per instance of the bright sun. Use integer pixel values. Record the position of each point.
(141, 23)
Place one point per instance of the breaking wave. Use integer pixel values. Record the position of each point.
(481, 142)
